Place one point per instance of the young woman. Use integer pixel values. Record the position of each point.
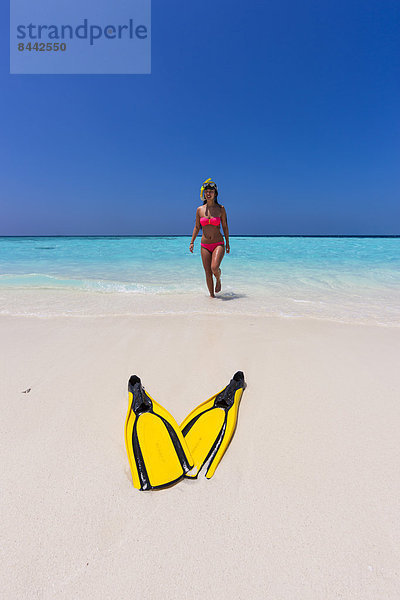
(209, 216)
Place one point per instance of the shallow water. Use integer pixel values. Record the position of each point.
(347, 279)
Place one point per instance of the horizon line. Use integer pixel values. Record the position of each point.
(169, 235)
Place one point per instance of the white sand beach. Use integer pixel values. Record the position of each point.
(304, 505)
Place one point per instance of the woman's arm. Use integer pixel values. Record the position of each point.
(195, 230)
(224, 222)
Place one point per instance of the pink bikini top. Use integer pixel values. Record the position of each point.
(210, 221)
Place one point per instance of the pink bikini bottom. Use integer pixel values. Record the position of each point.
(211, 247)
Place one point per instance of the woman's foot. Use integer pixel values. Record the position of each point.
(218, 282)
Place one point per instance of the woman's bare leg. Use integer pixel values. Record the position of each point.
(216, 259)
(206, 258)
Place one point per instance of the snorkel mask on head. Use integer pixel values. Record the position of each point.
(208, 184)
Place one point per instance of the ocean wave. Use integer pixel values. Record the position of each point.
(41, 281)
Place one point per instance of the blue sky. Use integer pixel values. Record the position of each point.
(292, 107)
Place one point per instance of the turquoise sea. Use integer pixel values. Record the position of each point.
(351, 279)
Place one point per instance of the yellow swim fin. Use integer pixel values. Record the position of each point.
(157, 451)
(209, 428)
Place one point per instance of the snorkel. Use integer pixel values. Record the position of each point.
(211, 185)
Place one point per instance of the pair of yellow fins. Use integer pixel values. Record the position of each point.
(161, 453)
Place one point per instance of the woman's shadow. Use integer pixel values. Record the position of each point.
(226, 296)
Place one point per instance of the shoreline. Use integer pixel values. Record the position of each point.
(45, 304)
